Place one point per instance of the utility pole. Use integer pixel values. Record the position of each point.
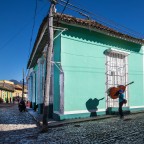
(48, 65)
(23, 86)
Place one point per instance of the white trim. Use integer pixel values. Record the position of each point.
(58, 28)
(59, 33)
(55, 63)
(29, 72)
(143, 65)
(33, 89)
(58, 113)
(38, 81)
(79, 111)
(61, 83)
(112, 50)
(136, 106)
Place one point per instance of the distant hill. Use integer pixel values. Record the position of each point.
(17, 82)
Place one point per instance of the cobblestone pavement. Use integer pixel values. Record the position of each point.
(20, 128)
(15, 126)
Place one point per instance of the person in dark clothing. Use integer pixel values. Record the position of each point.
(22, 106)
(13, 100)
(18, 99)
(122, 101)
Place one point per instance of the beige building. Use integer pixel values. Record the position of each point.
(10, 91)
(18, 92)
(6, 91)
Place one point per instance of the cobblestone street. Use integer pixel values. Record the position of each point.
(21, 128)
(16, 126)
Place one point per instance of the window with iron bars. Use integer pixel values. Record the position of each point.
(116, 74)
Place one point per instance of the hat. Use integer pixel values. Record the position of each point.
(121, 91)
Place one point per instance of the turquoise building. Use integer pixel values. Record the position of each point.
(88, 58)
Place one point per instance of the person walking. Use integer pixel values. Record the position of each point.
(122, 101)
(13, 100)
(22, 106)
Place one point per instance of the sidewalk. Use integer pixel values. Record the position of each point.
(52, 123)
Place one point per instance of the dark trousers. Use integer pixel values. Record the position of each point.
(120, 109)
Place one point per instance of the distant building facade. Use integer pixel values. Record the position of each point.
(9, 91)
(6, 91)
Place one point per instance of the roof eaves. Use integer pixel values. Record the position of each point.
(95, 26)
(87, 24)
(42, 29)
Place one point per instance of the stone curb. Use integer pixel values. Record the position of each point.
(66, 122)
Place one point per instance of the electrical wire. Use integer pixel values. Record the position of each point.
(103, 20)
(19, 31)
(63, 10)
(32, 34)
(100, 21)
(33, 27)
(65, 7)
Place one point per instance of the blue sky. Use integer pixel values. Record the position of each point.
(17, 19)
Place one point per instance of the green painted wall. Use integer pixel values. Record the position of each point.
(83, 63)
(83, 66)
(57, 58)
(136, 91)
(36, 67)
